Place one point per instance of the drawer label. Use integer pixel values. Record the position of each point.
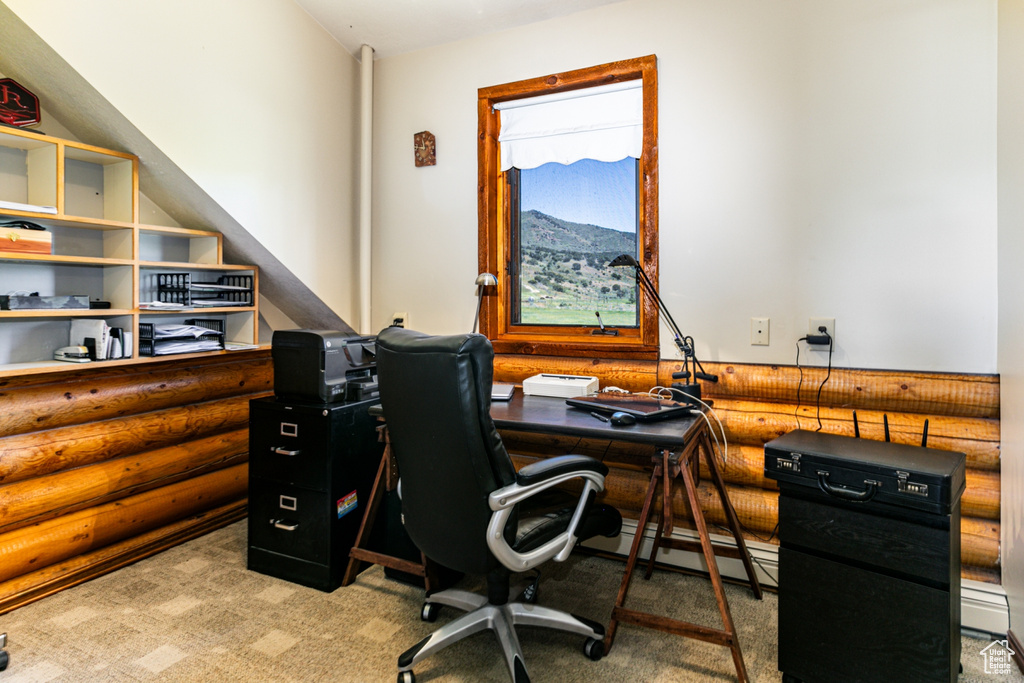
(347, 504)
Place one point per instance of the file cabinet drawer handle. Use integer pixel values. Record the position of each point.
(284, 524)
(285, 451)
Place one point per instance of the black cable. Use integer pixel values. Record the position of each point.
(751, 533)
(800, 384)
(752, 558)
(827, 375)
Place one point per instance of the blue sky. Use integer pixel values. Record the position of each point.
(588, 191)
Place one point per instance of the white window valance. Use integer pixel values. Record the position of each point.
(603, 123)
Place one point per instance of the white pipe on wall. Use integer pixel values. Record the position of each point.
(365, 183)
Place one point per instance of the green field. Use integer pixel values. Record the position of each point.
(561, 316)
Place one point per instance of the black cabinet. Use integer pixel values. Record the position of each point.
(311, 470)
(869, 559)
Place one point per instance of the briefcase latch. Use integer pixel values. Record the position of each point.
(790, 464)
(906, 486)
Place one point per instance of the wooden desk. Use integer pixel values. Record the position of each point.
(678, 444)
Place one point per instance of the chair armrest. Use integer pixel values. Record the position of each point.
(542, 470)
(539, 476)
(531, 480)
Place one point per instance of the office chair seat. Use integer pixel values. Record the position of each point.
(466, 507)
(548, 514)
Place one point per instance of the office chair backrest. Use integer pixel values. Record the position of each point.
(436, 396)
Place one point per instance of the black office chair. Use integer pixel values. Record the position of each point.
(463, 503)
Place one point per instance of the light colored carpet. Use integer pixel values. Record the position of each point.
(194, 613)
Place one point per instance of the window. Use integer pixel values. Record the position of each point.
(548, 229)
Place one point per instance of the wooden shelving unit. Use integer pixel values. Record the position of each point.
(88, 199)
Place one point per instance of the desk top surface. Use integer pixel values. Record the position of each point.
(548, 415)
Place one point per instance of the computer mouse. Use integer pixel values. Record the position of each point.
(622, 419)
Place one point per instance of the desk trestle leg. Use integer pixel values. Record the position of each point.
(667, 469)
(387, 477)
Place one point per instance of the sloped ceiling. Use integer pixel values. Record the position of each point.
(91, 118)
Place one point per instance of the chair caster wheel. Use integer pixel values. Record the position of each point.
(4, 659)
(593, 649)
(429, 612)
(406, 677)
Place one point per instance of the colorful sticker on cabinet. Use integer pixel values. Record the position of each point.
(347, 504)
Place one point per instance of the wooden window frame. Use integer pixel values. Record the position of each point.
(493, 246)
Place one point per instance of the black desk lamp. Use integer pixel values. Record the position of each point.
(689, 389)
(482, 280)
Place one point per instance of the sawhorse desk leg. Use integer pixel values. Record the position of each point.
(387, 476)
(667, 468)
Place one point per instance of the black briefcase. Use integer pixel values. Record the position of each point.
(852, 469)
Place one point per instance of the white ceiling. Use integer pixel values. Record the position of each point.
(393, 27)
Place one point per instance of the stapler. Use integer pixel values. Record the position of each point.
(72, 354)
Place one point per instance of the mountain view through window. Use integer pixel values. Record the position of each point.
(573, 220)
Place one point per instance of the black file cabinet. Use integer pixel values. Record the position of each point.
(869, 559)
(311, 470)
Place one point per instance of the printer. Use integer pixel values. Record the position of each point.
(324, 366)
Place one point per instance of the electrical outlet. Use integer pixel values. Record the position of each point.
(400, 319)
(759, 331)
(830, 326)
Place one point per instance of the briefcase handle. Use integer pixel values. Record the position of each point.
(846, 493)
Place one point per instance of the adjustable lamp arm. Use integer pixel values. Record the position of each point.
(683, 343)
(645, 284)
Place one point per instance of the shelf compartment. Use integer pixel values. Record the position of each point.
(99, 279)
(28, 172)
(31, 340)
(151, 343)
(182, 245)
(185, 289)
(240, 325)
(99, 183)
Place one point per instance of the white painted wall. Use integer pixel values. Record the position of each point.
(251, 98)
(1011, 302)
(817, 159)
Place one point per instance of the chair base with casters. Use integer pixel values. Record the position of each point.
(502, 620)
(543, 518)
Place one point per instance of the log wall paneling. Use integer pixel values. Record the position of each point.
(927, 393)
(27, 501)
(104, 466)
(63, 537)
(37, 453)
(80, 397)
(757, 403)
